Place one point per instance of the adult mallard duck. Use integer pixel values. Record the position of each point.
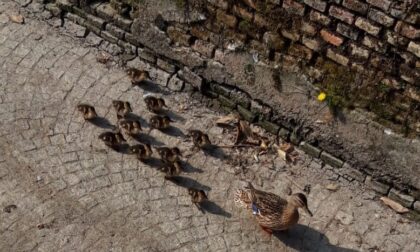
(272, 211)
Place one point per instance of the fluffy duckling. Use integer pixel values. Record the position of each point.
(88, 111)
(137, 76)
(197, 197)
(199, 138)
(112, 139)
(123, 108)
(159, 122)
(143, 151)
(169, 155)
(172, 169)
(131, 127)
(154, 104)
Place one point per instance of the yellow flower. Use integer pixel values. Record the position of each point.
(322, 96)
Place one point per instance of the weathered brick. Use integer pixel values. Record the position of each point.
(341, 14)
(95, 21)
(273, 40)
(308, 28)
(166, 66)
(292, 35)
(331, 160)
(132, 40)
(339, 58)
(300, 51)
(383, 4)
(189, 76)
(219, 3)
(117, 32)
(109, 37)
(175, 84)
(354, 173)
(146, 55)
(123, 23)
(381, 62)
(106, 12)
(317, 4)
(246, 114)
(375, 44)
(414, 48)
(263, 111)
(413, 93)
(204, 48)
(407, 30)
(240, 98)
(260, 21)
(128, 48)
(331, 38)
(347, 31)
(380, 17)
(200, 32)
(416, 206)
(359, 52)
(313, 44)
(409, 74)
(377, 186)
(317, 17)
(395, 39)
(227, 19)
(310, 149)
(269, 126)
(356, 5)
(404, 199)
(226, 102)
(179, 36)
(75, 19)
(294, 7)
(367, 26)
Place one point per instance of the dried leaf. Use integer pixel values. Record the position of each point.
(282, 154)
(332, 187)
(229, 119)
(245, 129)
(17, 19)
(287, 147)
(264, 144)
(397, 207)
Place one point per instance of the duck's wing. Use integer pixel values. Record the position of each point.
(269, 203)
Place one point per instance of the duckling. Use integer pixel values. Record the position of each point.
(143, 151)
(123, 108)
(154, 104)
(200, 139)
(271, 211)
(88, 111)
(137, 76)
(159, 122)
(112, 139)
(172, 169)
(197, 197)
(169, 155)
(131, 127)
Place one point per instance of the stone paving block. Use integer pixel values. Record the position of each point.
(310, 149)
(246, 114)
(269, 126)
(404, 199)
(377, 186)
(331, 160)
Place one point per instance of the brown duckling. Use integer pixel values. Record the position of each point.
(112, 139)
(169, 155)
(172, 169)
(88, 111)
(159, 122)
(123, 108)
(154, 104)
(197, 196)
(131, 127)
(143, 151)
(137, 76)
(199, 138)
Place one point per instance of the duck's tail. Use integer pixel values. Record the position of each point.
(242, 199)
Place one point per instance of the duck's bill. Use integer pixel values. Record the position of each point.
(308, 211)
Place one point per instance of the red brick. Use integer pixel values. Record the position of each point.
(356, 5)
(331, 38)
(414, 48)
(339, 58)
(315, 16)
(380, 17)
(383, 4)
(317, 4)
(294, 7)
(367, 26)
(341, 14)
(300, 51)
(407, 30)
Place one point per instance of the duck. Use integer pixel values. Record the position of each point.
(169, 155)
(123, 108)
(154, 104)
(200, 139)
(159, 122)
(112, 139)
(88, 111)
(142, 151)
(137, 76)
(272, 212)
(131, 127)
(197, 197)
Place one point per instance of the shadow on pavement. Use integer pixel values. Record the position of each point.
(148, 139)
(188, 168)
(173, 131)
(102, 122)
(304, 238)
(188, 183)
(213, 208)
(150, 86)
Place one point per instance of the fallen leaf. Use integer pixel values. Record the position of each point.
(282, 154)
(332, 187)
(287, 147)
(17, 19)
(229, 119)
(397, 207)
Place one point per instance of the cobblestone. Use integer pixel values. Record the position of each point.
(56, 171)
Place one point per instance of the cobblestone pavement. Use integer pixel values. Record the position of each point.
(74, 194)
